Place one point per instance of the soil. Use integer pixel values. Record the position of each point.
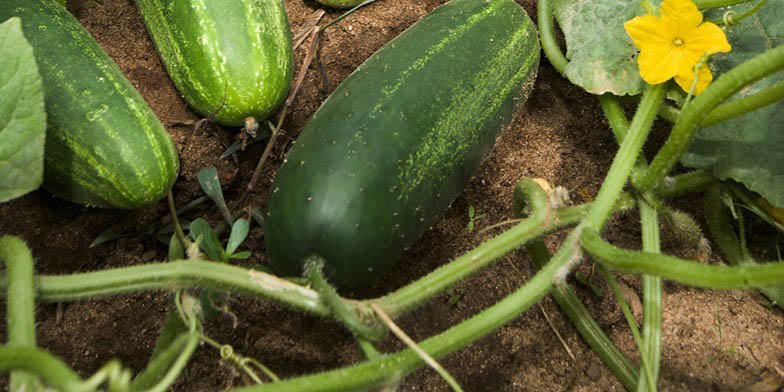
(712, 341)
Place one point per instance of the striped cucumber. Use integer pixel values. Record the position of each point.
(104, 145)
(232, 58)
(396, 142)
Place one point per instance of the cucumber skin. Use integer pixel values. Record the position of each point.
(104, 145)
(240, 49)
(395, 143)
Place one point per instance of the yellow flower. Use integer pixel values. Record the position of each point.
(671, 45)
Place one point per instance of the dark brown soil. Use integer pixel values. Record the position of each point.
(711, 340)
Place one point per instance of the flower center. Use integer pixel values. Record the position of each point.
(677, 41)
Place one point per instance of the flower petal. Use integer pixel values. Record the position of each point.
(658, 63)
(708, 38)
(686, 79)
(647, 29)
(681, 16)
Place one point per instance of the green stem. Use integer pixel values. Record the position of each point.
(585, 324)
(735, 19)
(625, 158)
(682, 184)
(544, 20)
(177, 367)
(365, 327)
(52, 370)
(20, 314)
(173, 328)
(368, 349)
(375, 372)
(669, 112)
(683, 271)
(156, 368)
(21, 295)
(686, 125)
(648, 7)
(717, 3)
(113, 374)
(652, 301)
(340, 3)
(176, 220)
(442, 278)
(646, 376)
(347, 13)
(176, 275)
(171, 340)
(744, 105)
(615, 116)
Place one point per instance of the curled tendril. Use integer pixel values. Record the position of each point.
(227, 354)
(729, 18)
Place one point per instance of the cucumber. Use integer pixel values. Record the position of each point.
(394, 144)
(229, 59)
(104, 145)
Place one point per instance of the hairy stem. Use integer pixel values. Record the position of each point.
(679, 270)
(652, 300)
(411, 295)
(52, 370)
(585, 324)
(20, 314)
(626, 157)
(744, 105)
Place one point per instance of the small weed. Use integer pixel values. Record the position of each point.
(473, 218)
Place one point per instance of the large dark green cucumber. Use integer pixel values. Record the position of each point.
(228, 57)
(104, 145)
(396, 142)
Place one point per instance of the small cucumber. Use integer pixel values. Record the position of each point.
(104, 145)
(230, 59)
(395, 143)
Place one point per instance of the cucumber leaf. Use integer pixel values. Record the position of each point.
(602, 58)
(22, 116)
(750, 148)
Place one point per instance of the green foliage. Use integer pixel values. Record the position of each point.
(748, 148)
(202, 232)
(601, 56)
(210, 184)
(22, 116)
(473, 218)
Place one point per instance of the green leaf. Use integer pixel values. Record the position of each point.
(201, 231)
(258, 216)
(239, 232)
(749, 148)
(602, 58)
(208, 179)
(22, 116)
(240, 255)
(176, 249)
(110, 234)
